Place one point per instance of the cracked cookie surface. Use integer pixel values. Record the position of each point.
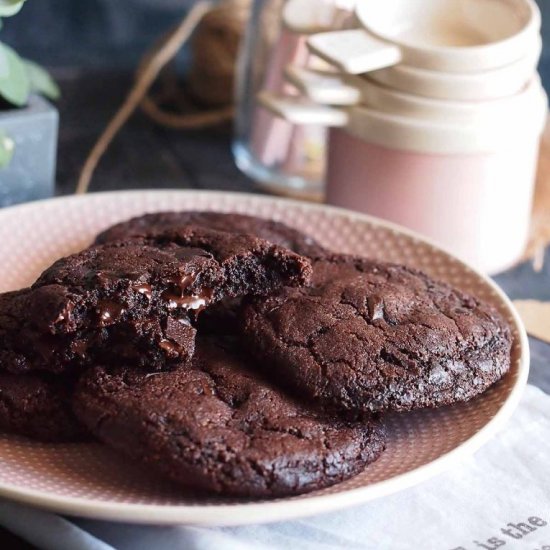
(370, 336)
(221, 317)
(270, 230)
(135, 301)
(217, 426)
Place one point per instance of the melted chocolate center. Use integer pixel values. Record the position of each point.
(176, 296)
(109, 312)
(145, 289)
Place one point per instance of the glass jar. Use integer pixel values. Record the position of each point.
(279, 156)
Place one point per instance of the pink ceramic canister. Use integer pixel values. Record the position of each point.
(467, 186)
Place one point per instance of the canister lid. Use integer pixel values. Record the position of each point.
(422, 135)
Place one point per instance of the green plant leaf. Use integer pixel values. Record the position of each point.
(7, 147)
(10, 7)
(40, 81)
(14, 77)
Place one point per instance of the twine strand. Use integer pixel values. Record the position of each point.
(154, 63)
(185, 121)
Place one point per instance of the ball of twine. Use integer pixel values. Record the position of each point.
(214, 47)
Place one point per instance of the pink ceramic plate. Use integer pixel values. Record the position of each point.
(89, 480)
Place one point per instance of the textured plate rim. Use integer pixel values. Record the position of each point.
(281, 509)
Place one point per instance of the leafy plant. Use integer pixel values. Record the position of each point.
(6, 149)
(20, 77)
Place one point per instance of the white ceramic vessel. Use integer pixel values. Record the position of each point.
(479, 86)
(463, 36)
(392, 101)
(333, 89)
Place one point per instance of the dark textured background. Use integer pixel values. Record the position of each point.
(112, 33)
(93, 46)
(90, 33)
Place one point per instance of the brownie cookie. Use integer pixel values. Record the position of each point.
(219, 318)
(371, 336)
(38, 406)
(136, 301)
(270, 230)
(216, 426)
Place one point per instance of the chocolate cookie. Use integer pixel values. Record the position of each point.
(220, 318)
(270, 230)
(372, 337)
(135, 301)
(217, 426)
(38, 406)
